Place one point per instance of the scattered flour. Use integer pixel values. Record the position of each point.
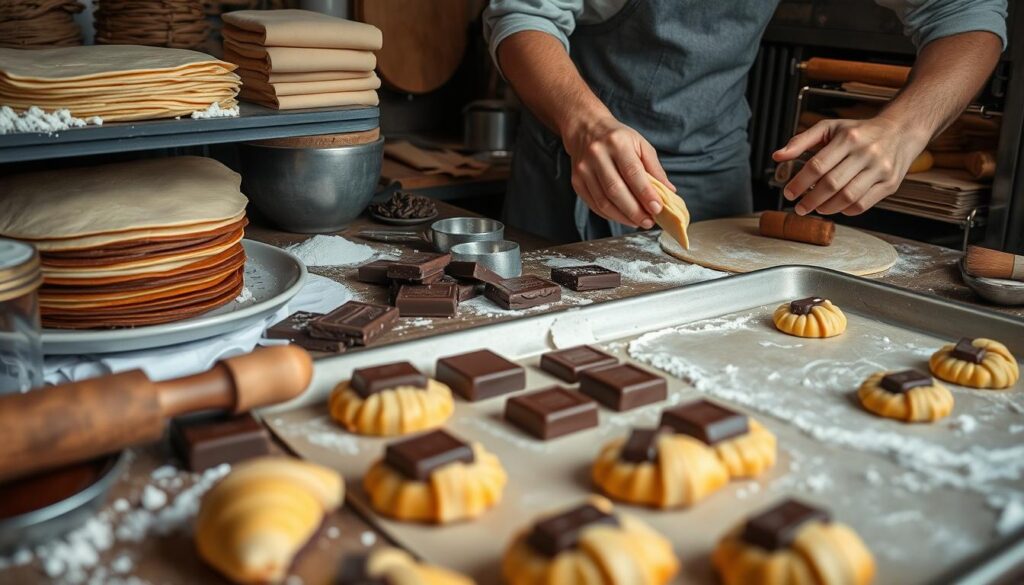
(964, 424)
(644, 270)
(215, 111)
(35, 119)
(245, 296)
(323, 432)
(153, 498)
(333, 532)
(322, 250)
(368, 539)
(912, 259)
(1011, 516)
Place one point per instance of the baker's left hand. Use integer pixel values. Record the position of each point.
(858, 163)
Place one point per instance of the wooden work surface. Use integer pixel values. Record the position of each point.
(171, 558)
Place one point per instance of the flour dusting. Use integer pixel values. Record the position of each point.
(215, 111)
(35, 119)
(323, 250)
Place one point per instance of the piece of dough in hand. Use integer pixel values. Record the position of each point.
(674, 217)
(928, 401)
(993, 367)
(810, 317)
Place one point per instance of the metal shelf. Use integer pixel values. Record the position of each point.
(253, 123)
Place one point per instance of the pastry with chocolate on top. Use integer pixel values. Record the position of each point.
(810, 317)
(389, 400)
(976, 363)
(908, 395)
(388, 565)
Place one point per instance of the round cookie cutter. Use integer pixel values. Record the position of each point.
(444, 233)
(995, 290)
(502, 257)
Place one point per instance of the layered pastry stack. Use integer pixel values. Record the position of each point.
(33, 24)
(290, 59)
(130, 244)
(117, 82)
(163, 23)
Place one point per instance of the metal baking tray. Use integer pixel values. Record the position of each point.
(925, 498)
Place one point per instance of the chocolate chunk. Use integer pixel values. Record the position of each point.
(472, 271)
(208, 442)
(418, 457)
(375, 272)
(705, 421)
(523, 292)
(367, 381)
(558, 533)
(568, 363)
(355, 570)
(777, 527)
(905, 381)
(641, 446)
(552, 412)
(623, 387)
(426, 279)
(355, 323)
(480, 375)
(584, 278)
(296, 330)
(467, 290)
(418, 265)
(804, 306)
(428, 300)
(966, 350)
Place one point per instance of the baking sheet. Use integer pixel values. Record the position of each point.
(923, 497)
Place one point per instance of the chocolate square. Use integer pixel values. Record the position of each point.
(587, 277)
(427, 279)
(418, 265)
(467, 290)
(804, 306)
(523, 292)
(367, 381)
(706, 421)
(966, 350)
(480, 375)
(296, 330)
(472, 271)
(375, 272)
(552, 412)
(355, 323)
(428, 300)
(641, 446)
(562, 532)
(905, 381)
(208, 442)
(568, 363)
(418, 457)
(777, 527)
(623, 387)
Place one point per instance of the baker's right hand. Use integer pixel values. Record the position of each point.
(610, 162)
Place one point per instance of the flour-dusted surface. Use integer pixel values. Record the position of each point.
(35, 119)
(324, 250)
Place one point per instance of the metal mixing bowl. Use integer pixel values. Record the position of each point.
(311, 190)
(995, 290)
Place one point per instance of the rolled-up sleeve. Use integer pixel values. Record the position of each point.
(504, 18)
(927, 20)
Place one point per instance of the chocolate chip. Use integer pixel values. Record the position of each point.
(705, 421)
(562, 532)
(804, 306)
(367, 381)
(905, 381)
(641, 446)
(966, 350)
(417, 458)
(777, 527)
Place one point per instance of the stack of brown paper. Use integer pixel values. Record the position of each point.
(290, 59)
(161, 23)
(942, 194)
(116, 82)
(31, 24)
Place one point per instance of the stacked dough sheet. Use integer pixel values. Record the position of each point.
(162, 23)
(290, 59)
(116, 82)
(130, 244)
(31, 24)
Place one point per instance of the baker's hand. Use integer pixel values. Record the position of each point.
(610, 162)
(858, 163)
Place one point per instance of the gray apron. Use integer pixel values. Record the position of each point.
(674, 70)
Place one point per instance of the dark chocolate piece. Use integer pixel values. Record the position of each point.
(472, 271)
(296, 330)
(588, 277)
(375, 272)
(355, 570)
(905, 381)
(418, 265)
(641, 446)
(778, 526)
(367, 381)
(558, 533)
(405, 205)
(966, 350)
(705, 421)
(568, 363)
(804, 306)
(523, 292)
(427, 279)
(355, 323)
(552, 412)
(467, 290)
(418, 457)
(208, 442)
(427, 300)
(480, 375)
(623, 387)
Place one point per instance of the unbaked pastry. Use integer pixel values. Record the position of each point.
(396, 411)
(253, 523)
(620, 551)
(392, 565)
(674, 217)
(811, 317)
(926, 401)
(997, 369)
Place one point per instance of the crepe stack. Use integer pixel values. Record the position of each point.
(32, 24)
(162, 23)
(130, 244)
(290, 59)
(116, 82)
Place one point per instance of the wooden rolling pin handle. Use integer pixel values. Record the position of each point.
(798, 228)
(839, 70)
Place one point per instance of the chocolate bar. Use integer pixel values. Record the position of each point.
(467, 290)
(480, 375)
(208, 442)
(428, 300)
(641, 446)
(552, 412)
(623, 387)
(355, 323)
(804, 306)
(966, 350)
(367, 381)
(426, 279)
(587, 277)
(296, 330)
(418, 457)
(472, 271)
(568, 363)
(418, 265)
(375, 272)
(523, 292)
(559, 533)
(705, 421)
(778, 526)
(905, 381)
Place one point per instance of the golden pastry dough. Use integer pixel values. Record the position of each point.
(396, 566)
(824, 320)
(998, 368)
(628, 554)
(921, 404)
(674, 217)
(748, 455)
(457, 491)
(396, 411)
(253, 523)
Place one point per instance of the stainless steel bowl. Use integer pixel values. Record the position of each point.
(450, 232)
(995, 290)
(311, 190)
(501, 257)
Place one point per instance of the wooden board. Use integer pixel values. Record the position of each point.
(734, 244)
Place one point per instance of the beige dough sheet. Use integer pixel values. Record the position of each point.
(298, 77)
(161, 268)
(370, 82)
(209, 85)
(290, 59)
(734, 244)
(300, 28)
(100, 61)
(100, 240)
(129, 267)
(316, 100)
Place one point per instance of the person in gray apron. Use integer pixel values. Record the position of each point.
(614, 88)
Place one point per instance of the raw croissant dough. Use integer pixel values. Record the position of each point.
(921, 404)
(392, 565)
(674, 217)
(998, 368)
(396, 411)
(628, 554)
(824, 320)
(253, 523)
(457, 491)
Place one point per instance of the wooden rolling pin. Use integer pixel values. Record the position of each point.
(838, 70)
(980, 164)
(55, 426)
(798, 228)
